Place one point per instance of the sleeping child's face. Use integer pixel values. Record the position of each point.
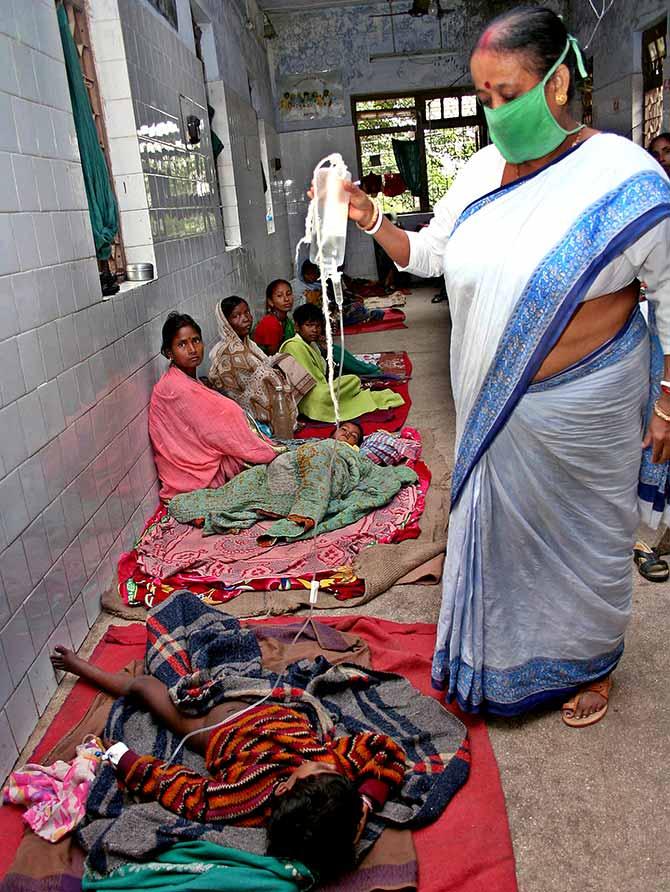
(349, 433)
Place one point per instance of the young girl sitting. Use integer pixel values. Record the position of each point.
(317, 404)
(276, 326)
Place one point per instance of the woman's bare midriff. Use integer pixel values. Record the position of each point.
(592, 325)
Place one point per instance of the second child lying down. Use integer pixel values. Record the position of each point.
(268, 767)
(323, 482)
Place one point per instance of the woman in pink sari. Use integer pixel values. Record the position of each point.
(200, 438)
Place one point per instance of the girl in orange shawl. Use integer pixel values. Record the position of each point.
(200, 438)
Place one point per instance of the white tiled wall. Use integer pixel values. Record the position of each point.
(77, 477)
(60, 526)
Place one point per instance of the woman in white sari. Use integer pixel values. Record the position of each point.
(542, 240)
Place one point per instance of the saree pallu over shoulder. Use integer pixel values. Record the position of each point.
(551, 295)
(538, 583)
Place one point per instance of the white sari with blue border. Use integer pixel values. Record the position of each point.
(538, 577)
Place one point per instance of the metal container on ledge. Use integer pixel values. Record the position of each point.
(139, 272)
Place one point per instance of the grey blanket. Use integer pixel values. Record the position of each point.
(205, 658)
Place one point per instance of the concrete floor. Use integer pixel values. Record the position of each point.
(589, 809)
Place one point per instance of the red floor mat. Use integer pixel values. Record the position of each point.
(392, 319)
(468, 850)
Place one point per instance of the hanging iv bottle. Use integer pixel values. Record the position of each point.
(329, 235)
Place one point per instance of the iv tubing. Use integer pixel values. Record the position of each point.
(312, 222)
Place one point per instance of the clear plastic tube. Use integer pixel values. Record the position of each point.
(329, 235)
(326, 232)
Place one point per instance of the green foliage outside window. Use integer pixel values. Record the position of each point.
(446, 148)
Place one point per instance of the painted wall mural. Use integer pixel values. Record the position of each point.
(311, 96)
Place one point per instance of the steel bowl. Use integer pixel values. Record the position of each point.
(139, 272)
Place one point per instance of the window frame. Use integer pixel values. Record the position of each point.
(652, 73)
(423, 124)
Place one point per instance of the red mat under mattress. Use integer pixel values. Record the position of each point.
(392, 319)
(467, 850)
(383, 419)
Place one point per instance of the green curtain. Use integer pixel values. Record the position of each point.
(101, 201)
(217, 145)
(406, 153)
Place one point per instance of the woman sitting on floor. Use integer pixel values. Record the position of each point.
(317, 404)
(276, 326)
(240, 370)
(200, 438)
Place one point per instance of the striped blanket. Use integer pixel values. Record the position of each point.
(205, 658)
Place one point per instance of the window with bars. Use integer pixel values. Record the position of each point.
(76, 14)
(586, 91)
(447, 127)
(654, 52)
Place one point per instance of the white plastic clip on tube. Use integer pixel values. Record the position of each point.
(313, 591)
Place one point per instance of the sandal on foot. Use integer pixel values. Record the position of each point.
(602, 687)
(649, 564)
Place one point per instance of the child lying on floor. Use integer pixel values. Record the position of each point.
(349, 432)
(381, 447)
(267, 767)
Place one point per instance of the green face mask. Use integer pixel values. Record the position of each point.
(525, 129)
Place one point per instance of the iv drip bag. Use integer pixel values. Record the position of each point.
(331, 206)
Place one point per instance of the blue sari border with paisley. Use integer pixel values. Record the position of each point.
(553, 293)
(505, 691)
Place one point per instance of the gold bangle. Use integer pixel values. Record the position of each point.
(661, 413)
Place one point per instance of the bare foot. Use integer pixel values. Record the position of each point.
(65, 660)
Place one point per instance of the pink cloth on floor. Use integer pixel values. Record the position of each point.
(170, 547)
(200, 438)
(57, 792)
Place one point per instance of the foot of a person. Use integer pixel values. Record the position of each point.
(65, 660)
(589, 704)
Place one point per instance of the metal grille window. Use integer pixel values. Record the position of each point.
(654, 51)
(448, 129)
(76, 15)
(586, 90)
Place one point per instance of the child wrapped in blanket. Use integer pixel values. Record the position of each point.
(267, 767)
(381, 447)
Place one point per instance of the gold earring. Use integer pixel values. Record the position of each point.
(561, 99)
